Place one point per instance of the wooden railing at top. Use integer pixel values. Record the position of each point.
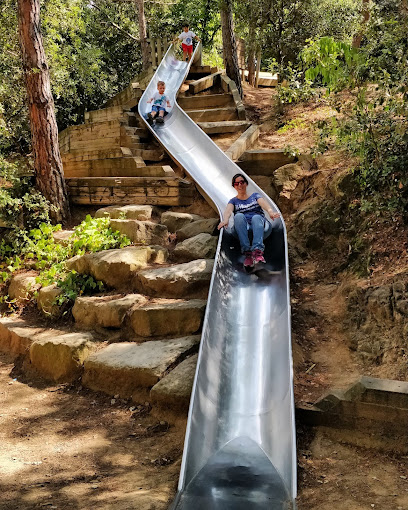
(158, 48)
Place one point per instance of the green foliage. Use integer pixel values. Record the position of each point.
(74, 285)
(330, 63)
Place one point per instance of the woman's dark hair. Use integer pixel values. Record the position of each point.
(239, 175)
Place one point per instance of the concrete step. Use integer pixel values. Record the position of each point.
(213, 114)
(169, 191)
(205, 101)
(229, 126)
(130, 370)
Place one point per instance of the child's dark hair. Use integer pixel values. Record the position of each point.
(185, 24)
(236, 177)
(161, 83)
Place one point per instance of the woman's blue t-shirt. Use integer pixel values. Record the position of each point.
(248, 207)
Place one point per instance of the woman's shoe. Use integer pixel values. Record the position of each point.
(249, 260)
(258, 257)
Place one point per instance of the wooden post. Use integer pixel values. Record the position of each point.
(258, 67)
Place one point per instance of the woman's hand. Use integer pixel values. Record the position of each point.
(222, 224)
(273, 215)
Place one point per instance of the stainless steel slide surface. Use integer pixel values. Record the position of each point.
(240, 451)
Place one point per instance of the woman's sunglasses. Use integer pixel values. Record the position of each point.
(237, 183)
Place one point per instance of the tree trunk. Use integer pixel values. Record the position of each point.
(365, 13)
(229, 44)
(48, 169)
(252, 28)
(139, 4)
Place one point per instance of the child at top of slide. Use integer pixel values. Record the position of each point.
(159, 104)
(186, 37)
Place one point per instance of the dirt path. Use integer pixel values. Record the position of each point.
(63, 447)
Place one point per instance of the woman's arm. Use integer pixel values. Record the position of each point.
(228, 211)
(265, 206)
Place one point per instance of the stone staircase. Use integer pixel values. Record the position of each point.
(139, 340)
(113, 159)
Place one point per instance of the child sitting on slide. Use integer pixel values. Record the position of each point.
(186, 37)
(159, 104)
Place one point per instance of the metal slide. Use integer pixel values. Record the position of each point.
(239, 451)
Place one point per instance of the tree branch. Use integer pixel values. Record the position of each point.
(114, 24)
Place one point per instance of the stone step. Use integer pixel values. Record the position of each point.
(168, 191)
(167, 317)
(129, 212)
(172, 393)
(55, 354)
(117, 268)
(104, 311)
(191, 279)
(176, 220)
(206, 226)
(205, 101)
(214, 114)
(229, 126)
(131, 370)
(141, 232)
(200, 246)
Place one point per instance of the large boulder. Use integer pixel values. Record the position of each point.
(173, 392)
(201, 246)
(116, 268)
(176, 220)
(59, 358)
(128, 212)
(130, 369)
(23, 286)
(207, 226)
(104, 311)
(165, 317)
(142, 232)
(191, 279)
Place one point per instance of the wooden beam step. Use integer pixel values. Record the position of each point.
(130, 181)
(229, 126)
(201, 102)
(204, 83)
(214, 114)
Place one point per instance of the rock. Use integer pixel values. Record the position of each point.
(62, 236)
(308, 162)
(174, 390)
(267, 184)
(176, 220)
(129, 212)
(163, 317)
(191, 279)
(142, 232)
(379, 302)
(104, 311)
(127, 368)
(201, 246)
(207, 226)
(46, 300)
(117, 268)
(23, 286)
(59, 358)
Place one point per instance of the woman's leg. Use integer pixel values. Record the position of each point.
(241, 228)
(258, 224)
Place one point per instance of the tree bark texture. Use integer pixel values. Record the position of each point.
(365, 13)
(48, 168)
(229, 44)
(139, 4)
